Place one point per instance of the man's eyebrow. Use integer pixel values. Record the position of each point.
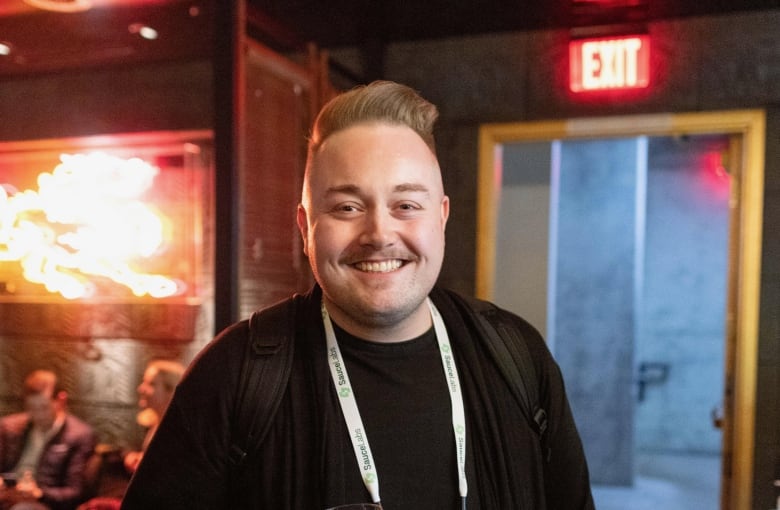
(411, 186)
(351, 189)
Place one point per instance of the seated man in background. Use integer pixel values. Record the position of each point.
(45, 449)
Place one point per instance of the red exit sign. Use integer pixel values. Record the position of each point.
(612, 63)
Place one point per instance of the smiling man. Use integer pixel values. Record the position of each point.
(397, 393)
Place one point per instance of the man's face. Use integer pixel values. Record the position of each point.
(43, 410)
(152, 392)
(372, 218)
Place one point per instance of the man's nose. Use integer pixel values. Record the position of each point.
(378, 229)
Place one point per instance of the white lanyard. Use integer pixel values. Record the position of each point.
(365, 459)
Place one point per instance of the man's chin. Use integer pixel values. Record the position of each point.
(388, 313)
(146, 417)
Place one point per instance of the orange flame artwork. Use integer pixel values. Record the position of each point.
(85, 222)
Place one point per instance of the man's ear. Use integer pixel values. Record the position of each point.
(61, 397)
(303, 226)
(445, 210)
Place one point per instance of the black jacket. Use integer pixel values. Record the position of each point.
(61, 468)
(186, 466)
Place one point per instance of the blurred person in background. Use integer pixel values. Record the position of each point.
(154, 393)
(44, 450)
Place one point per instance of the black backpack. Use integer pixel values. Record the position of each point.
(268, 361)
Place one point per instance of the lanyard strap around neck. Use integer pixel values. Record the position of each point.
(349, 408)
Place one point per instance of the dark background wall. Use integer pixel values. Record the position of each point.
(145, 97)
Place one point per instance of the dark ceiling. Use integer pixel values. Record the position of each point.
(34, 40)
(358, 22)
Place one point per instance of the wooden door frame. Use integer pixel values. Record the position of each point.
(746, 126)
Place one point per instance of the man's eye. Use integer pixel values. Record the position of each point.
(408, 206)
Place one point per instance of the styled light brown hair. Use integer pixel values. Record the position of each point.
(379, 101)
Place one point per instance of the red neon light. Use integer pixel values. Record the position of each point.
(614, 63)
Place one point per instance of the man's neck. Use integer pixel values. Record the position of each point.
(412, 326)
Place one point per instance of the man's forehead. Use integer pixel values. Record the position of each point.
(150, 373)
(375, 136)
(365, 157)
(403, 187)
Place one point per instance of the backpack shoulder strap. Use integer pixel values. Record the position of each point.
(264, 374)
(511, 353)
(507, 345)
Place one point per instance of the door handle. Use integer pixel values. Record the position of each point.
(717, 417)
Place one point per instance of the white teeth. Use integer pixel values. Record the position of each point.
(379, 267)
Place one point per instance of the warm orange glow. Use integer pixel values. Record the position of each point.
(87, 219)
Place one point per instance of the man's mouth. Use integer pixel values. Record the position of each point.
(384, 266)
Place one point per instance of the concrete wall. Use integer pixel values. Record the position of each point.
(523, 232)
(637, 278)
(682, 311)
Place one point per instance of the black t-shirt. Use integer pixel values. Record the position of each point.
(403, 400)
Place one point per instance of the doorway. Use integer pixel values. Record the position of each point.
(600, 180)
